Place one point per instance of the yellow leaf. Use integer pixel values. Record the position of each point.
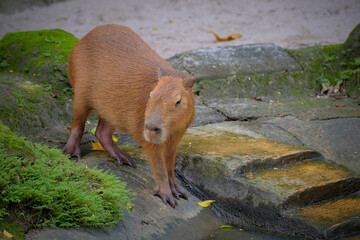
(115, 139)
(96, 146)
(9, 235)
(228, 38)
(206, 203)
(155, 28)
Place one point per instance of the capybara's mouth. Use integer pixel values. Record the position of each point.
(153, 138)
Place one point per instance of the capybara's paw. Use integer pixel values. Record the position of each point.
(167, 198)
(177, 191)
(72, 150)
(123, 158)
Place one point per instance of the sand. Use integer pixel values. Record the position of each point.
(172, 27)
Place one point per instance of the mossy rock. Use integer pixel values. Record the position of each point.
(27, 107)
(43, 54)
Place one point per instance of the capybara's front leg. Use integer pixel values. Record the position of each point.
(155, 154)
(170, 158)
(104, 134)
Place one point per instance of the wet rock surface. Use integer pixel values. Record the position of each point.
(150, 217)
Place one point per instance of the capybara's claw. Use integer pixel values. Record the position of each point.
(73, 151)
(178, 192)
(166, 198)
(123, 158)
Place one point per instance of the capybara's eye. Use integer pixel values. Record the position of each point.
(178, 102)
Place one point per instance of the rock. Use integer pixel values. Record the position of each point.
(205, 115)
(221, 62)
(336, 139)
(304, 108)
(259, 183)
(29, 109)
(150, 217)
(353, 42)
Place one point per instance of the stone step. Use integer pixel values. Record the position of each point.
(307, 182)
(335, 218)
(236, 150)
(256, 181)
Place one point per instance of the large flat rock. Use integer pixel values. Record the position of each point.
(304, 108)
(221, 62)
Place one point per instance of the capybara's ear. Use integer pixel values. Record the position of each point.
(189, 81)
(160, 73)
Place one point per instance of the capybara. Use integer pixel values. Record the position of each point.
(132, 89)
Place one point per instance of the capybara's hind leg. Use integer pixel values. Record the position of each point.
(81, 112)
(104, 133)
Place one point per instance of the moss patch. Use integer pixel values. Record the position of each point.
(298, 176)
(332, 213)
(43, 187)
(41, 54)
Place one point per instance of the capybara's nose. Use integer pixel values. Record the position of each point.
(153, 128)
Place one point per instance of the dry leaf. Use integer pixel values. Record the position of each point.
(68, 128)
(96, 146)
(228, 38)
(256, 98)
(337, 97)
(7, 234)
(340, 105)
(54, 95)
(206, 203)
(281, 115)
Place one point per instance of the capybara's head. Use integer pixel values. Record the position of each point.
(170, 107)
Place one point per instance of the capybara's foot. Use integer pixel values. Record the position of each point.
(177, 191)
(167, 198)
(72, 150)
(121, 157)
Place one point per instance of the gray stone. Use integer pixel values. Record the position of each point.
(221, 62)
(336, 139)
(205, 115)
(304, 108)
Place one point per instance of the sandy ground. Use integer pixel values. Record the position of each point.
(174, 26)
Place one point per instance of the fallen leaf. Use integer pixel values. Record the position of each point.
(144, 222)
(206, 203)
(337, 97)
(7, 234)
(339, 105)
(228, 38)
(96, 146)
(54, 95)
(92, 131)
(281, 115)
(226, 227)
(256, 98)
(115, 139)
(68, 128)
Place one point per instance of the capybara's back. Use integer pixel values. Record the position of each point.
(114, 70)
(132, 89)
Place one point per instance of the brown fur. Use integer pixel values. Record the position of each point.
(113, 71)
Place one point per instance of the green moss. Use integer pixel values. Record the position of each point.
(43, 55)
(45, 188)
